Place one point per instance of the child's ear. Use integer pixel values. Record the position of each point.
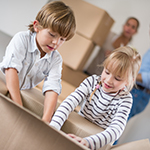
(36, 25)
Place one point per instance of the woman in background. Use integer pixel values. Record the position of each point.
(112, 42)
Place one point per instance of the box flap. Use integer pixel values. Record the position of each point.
(22, 130)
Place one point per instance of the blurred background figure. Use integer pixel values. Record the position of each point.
(141, 91)
(112, 42)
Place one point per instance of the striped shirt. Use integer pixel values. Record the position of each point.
(109, 111)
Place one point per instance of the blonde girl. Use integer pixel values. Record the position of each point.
(106, 98)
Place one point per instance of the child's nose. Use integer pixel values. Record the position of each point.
(56, 41)
(110, 79)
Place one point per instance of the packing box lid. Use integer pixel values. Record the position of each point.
(22, 130)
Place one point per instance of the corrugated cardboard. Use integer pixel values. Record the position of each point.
(92, 22)
(76, 51)
(135, 145)
(73, 77)
(21, 130)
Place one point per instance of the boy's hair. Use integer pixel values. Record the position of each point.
(125, 62)
(58, 17)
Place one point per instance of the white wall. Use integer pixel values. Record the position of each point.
(16, 15)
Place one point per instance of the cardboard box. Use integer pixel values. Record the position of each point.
(73, 77)
(92, 22)
(81, 127)
(33, 100)
(143, 144)
(3, 88)
(67, 89)
(22, 130)
(76, 51)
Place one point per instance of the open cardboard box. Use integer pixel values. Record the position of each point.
(76, 51)
(22, 130)
(92, 22)
(67, 89)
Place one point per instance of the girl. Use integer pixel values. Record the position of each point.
(107, 101)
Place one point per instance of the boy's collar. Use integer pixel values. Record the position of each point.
(33, 45)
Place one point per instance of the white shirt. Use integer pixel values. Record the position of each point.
(22, 54)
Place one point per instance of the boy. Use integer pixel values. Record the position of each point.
(32, 55)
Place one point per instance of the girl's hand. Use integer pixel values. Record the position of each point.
(79, 139)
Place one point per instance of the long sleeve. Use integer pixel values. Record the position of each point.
(116, 127)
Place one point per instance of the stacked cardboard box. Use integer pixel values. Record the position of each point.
(93, 26)
(92, 22)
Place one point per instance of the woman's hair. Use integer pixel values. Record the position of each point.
(58, 17)
(125, 62)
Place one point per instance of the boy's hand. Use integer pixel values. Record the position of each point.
(79, 139)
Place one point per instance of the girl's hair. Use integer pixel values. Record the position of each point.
(58, 17)
(125, 62)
